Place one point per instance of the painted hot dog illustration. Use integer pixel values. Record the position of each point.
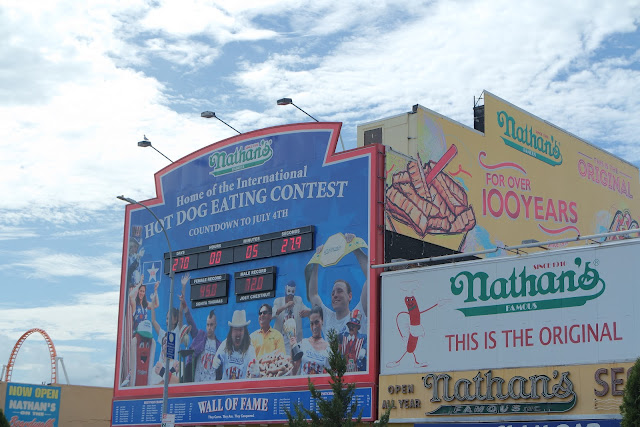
(428, 200)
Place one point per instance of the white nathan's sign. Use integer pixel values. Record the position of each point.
(562, 307)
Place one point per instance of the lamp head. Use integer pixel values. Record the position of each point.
(208, 114)
(285, 101)
(144, 143)
(127, 199)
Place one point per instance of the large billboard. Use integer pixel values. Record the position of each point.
(522, 179)
(561, 307)
(272, 237)
(579, 392)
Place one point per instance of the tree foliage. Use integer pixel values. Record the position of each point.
(630, 408)
(3, 420)
(384, 419)
(338, 410)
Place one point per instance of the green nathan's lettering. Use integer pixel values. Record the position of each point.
(529, 141)
(479, 286)
(241, 158)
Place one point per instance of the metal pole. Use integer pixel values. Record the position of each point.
(239, 133)
(165, 391)
(61, 360)
(340, 134)
(163, 156)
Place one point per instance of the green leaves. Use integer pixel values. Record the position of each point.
(630, 408)
(337, 410)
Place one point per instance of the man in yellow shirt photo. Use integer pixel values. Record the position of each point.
(266, 340)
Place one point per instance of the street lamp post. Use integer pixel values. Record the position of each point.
(146, 143)
(289, 101)
(165, 391)
(211, 114)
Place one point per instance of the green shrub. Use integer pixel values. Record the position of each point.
(630, 408)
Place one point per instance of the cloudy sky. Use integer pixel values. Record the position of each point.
(81, 83)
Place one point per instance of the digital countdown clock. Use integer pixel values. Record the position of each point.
(258, 283)
(210, 290)
(248, 249)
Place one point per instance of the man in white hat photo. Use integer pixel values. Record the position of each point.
(236, 356)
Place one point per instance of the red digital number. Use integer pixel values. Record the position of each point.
(291, 244)
(252, 251)
(214, 258)
(297, 243)
(253, 284)
(208, 290)
(181, 263)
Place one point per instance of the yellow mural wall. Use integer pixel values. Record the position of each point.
(522, 179)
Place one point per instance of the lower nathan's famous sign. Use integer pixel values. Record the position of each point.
(580, 391)
(557, 391)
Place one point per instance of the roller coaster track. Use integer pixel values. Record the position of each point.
(16, 348)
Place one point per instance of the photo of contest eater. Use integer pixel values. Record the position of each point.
(140, 350)
(289, 311)
(174, 324)
(204, 344)
(311, 355)
(269, 346)
(236, 356)
(135, 252)
(331, 253)
(354, 344)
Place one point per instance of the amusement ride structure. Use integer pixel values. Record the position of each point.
(7, 370)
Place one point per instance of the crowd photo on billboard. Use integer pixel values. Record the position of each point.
(279, 337)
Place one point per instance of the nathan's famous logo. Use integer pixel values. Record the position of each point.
(534, 394)
(572, 287)
(528, 141)
(245, 157)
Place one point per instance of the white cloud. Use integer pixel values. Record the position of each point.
(74, 349)
(86, 317)
(449, 51)
(71, 116)
(12, 233)
(41, 264)
(182, 52)
(77, 233)
(192, 17)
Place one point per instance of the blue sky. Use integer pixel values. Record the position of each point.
(81, 83)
